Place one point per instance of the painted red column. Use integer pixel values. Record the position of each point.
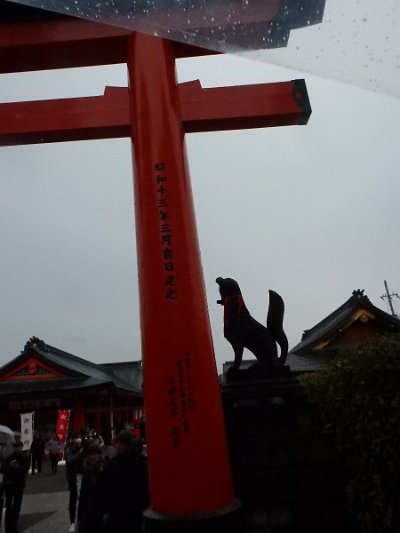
(97, 421)
(188, 456)
(78, 413)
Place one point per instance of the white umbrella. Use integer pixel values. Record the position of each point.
(6, 440)
(345, 40)
(6, 431)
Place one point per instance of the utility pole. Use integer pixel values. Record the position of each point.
(389, 297)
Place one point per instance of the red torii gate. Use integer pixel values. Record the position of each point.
(190, 480)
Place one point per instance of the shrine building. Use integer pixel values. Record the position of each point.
(45, 379)
(355, 322)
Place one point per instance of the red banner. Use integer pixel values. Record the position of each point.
(62, 424)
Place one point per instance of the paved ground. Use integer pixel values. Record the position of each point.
(45, 503)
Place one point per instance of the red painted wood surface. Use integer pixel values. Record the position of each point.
(29, 370)
(107, 116)
(78, 415)
(184, 419)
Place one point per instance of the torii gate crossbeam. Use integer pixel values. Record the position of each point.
(107, 116)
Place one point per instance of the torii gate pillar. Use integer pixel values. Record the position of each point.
(186, 435)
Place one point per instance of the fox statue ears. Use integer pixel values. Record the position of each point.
(227, 287)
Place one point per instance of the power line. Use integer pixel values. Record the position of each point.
(389, 297)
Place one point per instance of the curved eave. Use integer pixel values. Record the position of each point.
(50, 385)
(337, 322)
(42, 357)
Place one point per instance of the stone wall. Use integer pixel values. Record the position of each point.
(285, 472)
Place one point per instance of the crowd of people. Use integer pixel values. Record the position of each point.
(107, 482)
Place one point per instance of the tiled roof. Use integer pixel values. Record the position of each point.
(78, 373)
(342, 317)
(126, 372)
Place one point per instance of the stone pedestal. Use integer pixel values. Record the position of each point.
(229, 520)
(285, 472)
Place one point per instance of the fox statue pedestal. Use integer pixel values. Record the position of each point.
(285, 472)
(253, 371)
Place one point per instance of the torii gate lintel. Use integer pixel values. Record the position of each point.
(108, 116)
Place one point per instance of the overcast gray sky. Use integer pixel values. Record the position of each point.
(310, 211)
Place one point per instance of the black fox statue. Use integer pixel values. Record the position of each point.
(243, 331)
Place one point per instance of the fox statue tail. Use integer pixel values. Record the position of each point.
(276, 311)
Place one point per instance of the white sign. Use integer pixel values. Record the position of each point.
(27, 430)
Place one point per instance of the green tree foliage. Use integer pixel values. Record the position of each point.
(359, 396)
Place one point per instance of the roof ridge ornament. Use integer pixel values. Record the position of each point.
(359, 293)
(35, 342)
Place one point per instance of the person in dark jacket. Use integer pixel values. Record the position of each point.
(126, 484)
(14, 469)
(72, 462)
(91, 503)
(54, 446)
(37, 453)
